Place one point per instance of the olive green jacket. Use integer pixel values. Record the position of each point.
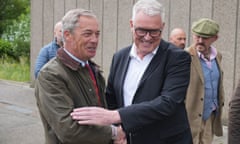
(62, 85)
(195, 95)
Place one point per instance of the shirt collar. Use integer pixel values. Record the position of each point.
(213, 53)
(75, 58)
(74, 63)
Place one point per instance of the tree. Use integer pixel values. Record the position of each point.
(15, 28)
(10, 10)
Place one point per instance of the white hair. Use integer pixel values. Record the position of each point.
(70, 19)
(149, 7)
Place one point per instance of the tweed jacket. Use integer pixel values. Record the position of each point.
(62, 85)
(195, 95)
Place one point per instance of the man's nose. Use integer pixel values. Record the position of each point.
(94, 38)
(200, 39)
(147, 36)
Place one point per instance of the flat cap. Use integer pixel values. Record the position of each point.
(205, 27)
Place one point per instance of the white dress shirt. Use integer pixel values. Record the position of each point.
(134, 74)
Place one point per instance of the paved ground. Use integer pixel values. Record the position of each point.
(19, 119)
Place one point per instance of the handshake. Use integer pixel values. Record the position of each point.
(102, 117)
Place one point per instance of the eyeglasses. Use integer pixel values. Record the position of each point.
(152, 32)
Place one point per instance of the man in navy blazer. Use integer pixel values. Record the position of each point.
(147, 85)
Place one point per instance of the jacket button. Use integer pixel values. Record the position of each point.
(201, 99)
(200, 115)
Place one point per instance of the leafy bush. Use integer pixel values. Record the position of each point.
(10, 10)
(15, 40)
(5, 49)
(19, 35)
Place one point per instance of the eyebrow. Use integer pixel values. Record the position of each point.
(145, 29)
(88, 30)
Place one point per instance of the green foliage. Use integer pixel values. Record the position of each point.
(15, 40)
(10, 10)
(15, 70)
(5, 48)
(19, 35)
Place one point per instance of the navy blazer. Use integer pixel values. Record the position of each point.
(158, 110)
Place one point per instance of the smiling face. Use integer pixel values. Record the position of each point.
(150, 24)
(83, 41)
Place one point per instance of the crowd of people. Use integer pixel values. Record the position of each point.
(157, 91)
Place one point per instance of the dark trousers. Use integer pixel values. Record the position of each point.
(183, 138)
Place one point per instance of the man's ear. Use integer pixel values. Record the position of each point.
(163, 25)
(216, 37)
(131, 25)
(67, 35)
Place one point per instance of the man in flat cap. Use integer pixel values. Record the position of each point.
(205, 95)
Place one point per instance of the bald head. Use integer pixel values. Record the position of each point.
(58, 33)
(178, 37)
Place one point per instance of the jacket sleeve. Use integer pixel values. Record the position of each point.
(42, 59)
(55, 105)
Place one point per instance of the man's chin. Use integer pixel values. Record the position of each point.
(200, 47)
(182, 46)
(91, 54)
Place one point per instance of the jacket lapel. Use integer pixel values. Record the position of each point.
(159, 60)
(122, 75)
(195, 62)
(155, 62)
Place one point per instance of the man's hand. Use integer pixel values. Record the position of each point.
(96, 116)
(120, 137)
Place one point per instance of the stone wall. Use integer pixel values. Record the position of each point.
(114, 16)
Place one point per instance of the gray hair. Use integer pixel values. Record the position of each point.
(149, 7)
(70, 20)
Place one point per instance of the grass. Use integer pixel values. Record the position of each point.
(14, 70)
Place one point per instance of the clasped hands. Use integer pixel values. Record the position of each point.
(102, 117)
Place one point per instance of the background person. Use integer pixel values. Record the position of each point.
(178, 37)
(205, 95)
(49, 51)
(234, 117)
(72, 80)
(147, 84)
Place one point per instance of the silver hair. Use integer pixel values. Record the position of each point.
(70, 19)
(149, 7)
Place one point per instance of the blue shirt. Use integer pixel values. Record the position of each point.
(46, 53)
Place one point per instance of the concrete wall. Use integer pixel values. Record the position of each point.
(114, 18)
